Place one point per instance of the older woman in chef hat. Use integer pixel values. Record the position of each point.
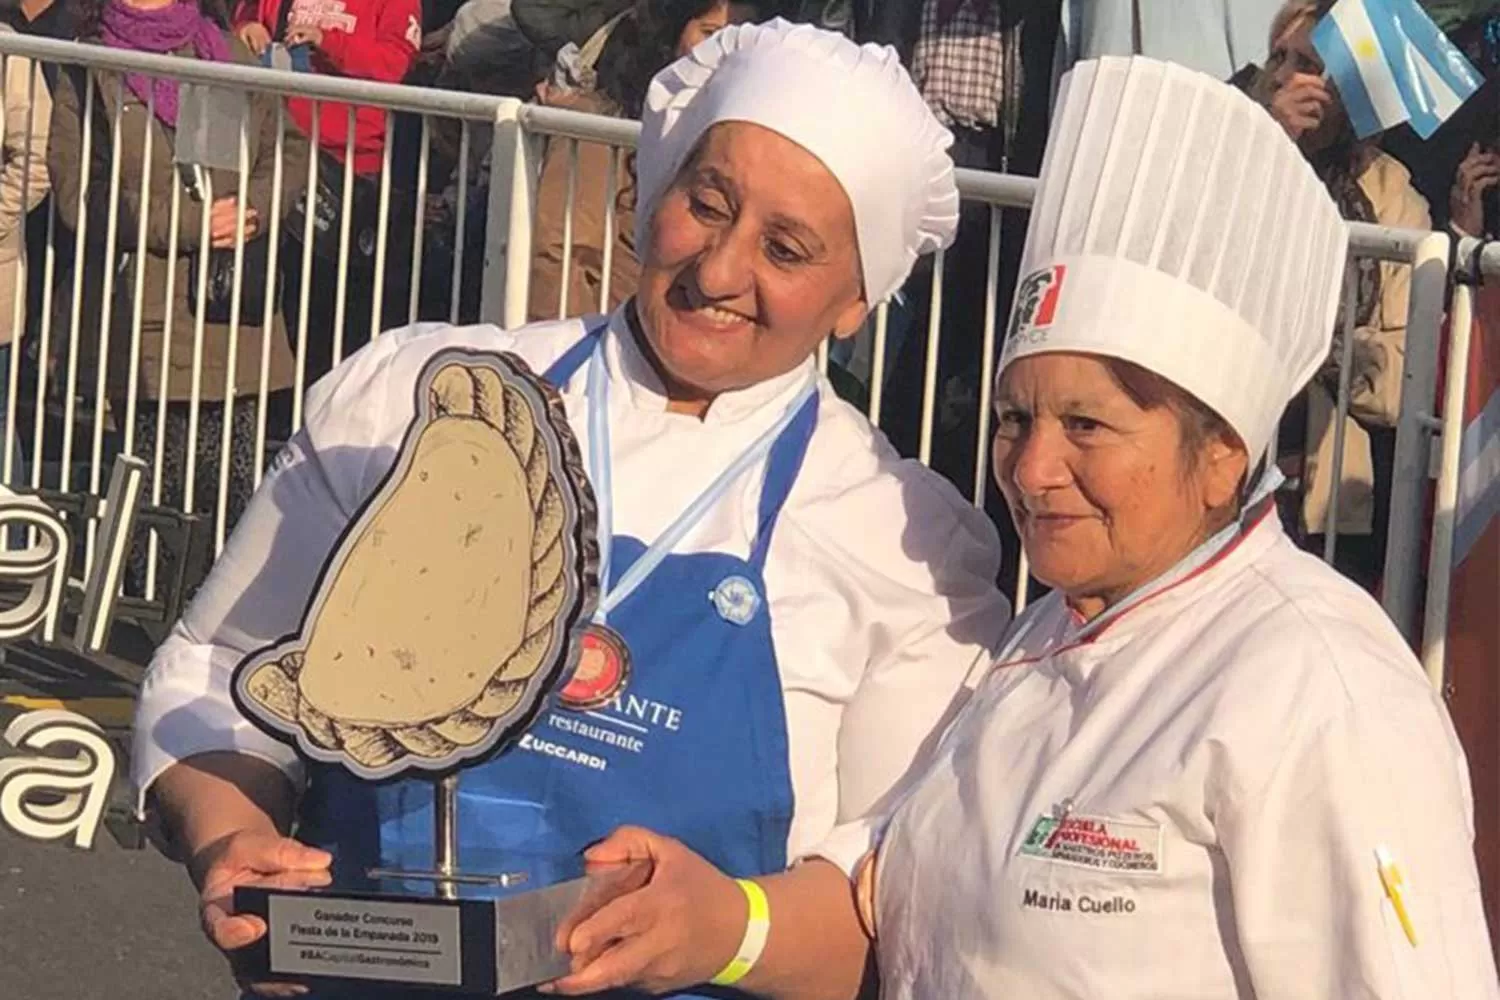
(802, 606)
(1204, 766)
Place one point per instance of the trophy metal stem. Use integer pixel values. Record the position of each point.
(445, 833)
(445, 873)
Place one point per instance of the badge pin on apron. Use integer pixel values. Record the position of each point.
(736, 600)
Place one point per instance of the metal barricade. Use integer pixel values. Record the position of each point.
(117, 355)
(75, 420)
(1473, 262)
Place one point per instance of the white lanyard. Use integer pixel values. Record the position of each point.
(599, 475)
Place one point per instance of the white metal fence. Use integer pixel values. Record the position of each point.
(454, 216)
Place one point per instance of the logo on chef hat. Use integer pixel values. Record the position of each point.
(1036, 306)
(736, 600)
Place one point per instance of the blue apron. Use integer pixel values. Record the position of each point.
(694, 746)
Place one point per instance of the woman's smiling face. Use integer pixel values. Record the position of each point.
(1102, 490)
(751, 262)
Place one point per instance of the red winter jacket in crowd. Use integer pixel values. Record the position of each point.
(362, 39)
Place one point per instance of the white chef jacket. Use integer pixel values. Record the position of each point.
(1229, 754)
(879, 575)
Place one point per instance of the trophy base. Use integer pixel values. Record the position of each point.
(485, 942)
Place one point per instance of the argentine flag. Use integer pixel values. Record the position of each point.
(1392, 64)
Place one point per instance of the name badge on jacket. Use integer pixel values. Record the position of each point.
(1096, 842)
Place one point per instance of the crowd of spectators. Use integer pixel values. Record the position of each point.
(989, 69)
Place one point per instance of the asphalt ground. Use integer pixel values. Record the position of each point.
(119, 921)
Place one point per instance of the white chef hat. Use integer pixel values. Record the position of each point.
(852, 106)
(1177, 227)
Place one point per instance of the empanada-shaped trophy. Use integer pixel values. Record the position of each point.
(444, 617)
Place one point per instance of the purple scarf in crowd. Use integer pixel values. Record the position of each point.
(162, 30)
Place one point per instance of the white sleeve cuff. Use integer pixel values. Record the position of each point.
(185, 709)
(848, 843)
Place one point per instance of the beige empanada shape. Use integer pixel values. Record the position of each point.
(445, 603)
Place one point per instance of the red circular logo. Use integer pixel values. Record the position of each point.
(602, 672)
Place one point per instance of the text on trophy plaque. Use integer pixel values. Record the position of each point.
(355, 939)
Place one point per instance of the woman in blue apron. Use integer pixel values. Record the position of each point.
(776, 584)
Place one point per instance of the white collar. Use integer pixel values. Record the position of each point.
(1054, 627)
(628, 369)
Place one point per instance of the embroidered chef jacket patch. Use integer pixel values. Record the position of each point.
(1112, 845)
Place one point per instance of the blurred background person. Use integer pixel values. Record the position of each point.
(984, 67)
(24, 123)
(485, 51)
(40, 19)
(1368, 185)
(1217, 37)
(551, 25)
(169, 329)
(363, 40)
(1474, 183)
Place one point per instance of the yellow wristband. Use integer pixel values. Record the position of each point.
(757, 929)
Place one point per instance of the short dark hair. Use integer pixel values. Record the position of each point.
(1150, 391)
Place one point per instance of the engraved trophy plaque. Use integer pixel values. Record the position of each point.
(441, 623)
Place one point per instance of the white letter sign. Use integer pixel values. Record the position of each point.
(72, 775)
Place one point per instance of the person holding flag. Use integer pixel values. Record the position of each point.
(1368, 185)
(1392, 64)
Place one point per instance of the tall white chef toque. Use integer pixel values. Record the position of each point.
(1177, 227)
(852, 106)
